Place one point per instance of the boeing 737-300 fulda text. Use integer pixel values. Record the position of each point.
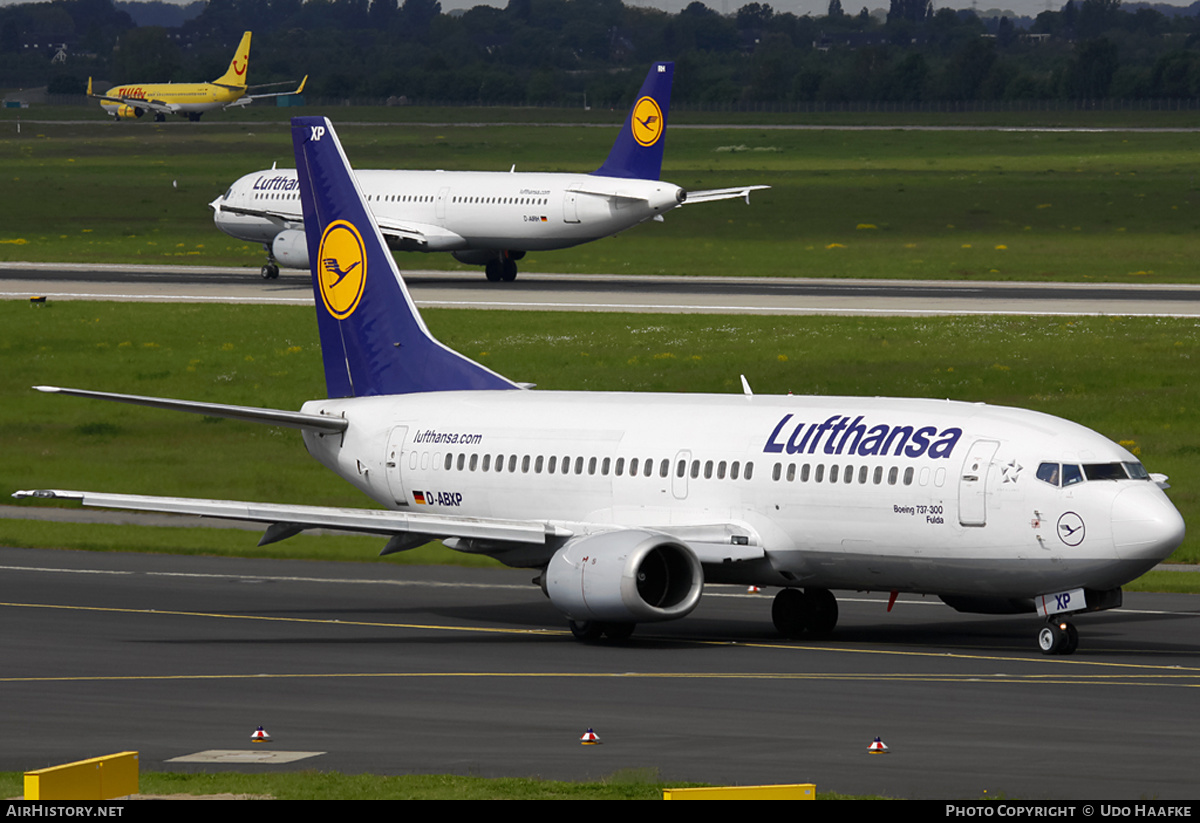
(626, 504)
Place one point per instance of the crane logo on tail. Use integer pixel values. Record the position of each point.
(647, 122)
(342, 268)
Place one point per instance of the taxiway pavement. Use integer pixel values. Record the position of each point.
(564, 292)
(390, 669)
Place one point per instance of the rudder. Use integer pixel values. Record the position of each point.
(373, 340)
(638, 152)
(239, 66)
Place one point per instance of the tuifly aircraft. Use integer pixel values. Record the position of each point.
(190, 100)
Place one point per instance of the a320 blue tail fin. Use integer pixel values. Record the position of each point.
(373, 339)
(638, 152)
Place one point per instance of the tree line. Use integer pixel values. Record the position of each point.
(568, 52)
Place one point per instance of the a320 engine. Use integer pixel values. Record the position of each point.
(606, 583)
(290, 247)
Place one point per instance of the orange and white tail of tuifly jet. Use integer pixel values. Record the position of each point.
(190, 100)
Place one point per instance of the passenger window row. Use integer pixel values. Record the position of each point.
(602, 466)
(862, 475)
(502, 201)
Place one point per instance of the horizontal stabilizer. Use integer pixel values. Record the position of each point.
(599, 189)
(249, 414)
(710, 195)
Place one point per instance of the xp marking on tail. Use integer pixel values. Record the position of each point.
(626, 504)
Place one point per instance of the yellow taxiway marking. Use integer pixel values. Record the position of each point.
(1083, 670)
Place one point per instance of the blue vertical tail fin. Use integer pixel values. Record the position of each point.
(638, 152)
(373, 340)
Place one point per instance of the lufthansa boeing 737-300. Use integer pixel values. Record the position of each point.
(627, 503)
(488, 219)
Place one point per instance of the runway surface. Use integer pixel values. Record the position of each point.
(387, 669)
(563, 292)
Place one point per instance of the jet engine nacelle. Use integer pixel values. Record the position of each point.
(630, 576)
(290, 249)
(128, 112)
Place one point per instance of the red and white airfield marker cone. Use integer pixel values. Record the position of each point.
(590, 738)
(878, 747)
(260, 736)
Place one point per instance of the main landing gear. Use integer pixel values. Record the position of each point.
(1058, 637)
(811, 611)
(501, 269)
(270, 269)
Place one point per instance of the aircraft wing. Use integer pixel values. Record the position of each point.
(140, 102)
(419, 236)
(281, 217)
(399, 236)
(247, 99)
(709, 195)
(287, 520)
(716, 544)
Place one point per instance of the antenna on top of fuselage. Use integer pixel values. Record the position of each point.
(373, 340)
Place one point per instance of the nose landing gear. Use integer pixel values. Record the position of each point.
(1058, 637)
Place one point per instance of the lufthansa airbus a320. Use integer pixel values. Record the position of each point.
(488, 219)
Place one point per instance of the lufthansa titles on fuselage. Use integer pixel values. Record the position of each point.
(841, 435)
(277, 183)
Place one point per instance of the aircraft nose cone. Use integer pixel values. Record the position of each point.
(1145, 525)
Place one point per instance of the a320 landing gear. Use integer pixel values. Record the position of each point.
(270, 269)
(1058, 637)
(501, 269)
(811, 611)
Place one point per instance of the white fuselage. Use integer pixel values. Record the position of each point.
(842, 493)
(461, 211)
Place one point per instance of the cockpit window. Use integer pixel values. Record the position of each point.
(1105, 471)
(1068, 474)
(1137, 471)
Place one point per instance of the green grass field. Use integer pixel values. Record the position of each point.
(1115, 207)
(1008, 205)
(631, 784)
(1130, 379)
